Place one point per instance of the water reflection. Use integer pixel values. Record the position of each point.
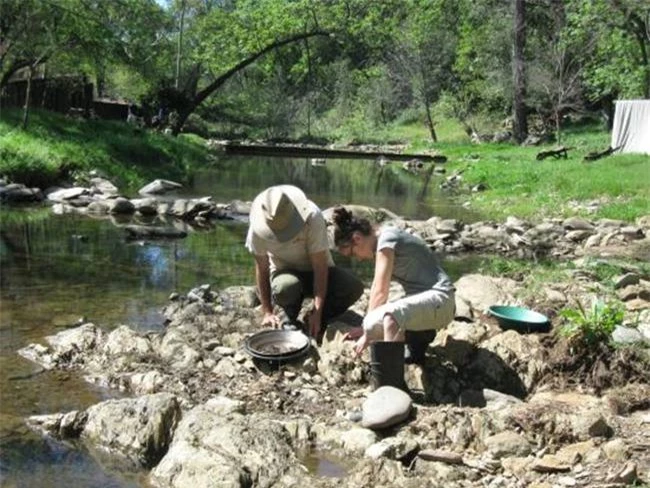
(361, 182)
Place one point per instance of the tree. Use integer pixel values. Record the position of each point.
(617, 63)
(520, 128)
(425, 52)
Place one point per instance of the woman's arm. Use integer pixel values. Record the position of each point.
(381, 280)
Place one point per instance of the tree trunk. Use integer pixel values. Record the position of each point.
(310, 87)
(179, 47)
(520, 127)
(28, 92)
(430, 124)
(212, 87)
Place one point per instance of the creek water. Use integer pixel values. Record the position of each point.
(56, 269)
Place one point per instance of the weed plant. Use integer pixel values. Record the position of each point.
(592, 326)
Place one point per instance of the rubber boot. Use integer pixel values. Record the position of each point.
(387, 364)
(417, 343)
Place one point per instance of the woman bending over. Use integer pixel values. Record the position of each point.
(429, 304)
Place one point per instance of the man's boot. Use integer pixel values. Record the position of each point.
(387, 364)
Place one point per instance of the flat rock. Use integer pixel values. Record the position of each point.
(158, 187)
(384, 407)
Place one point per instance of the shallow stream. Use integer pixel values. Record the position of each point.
(55, 270)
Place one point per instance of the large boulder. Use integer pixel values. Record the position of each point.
(138, 429)
(216, 445)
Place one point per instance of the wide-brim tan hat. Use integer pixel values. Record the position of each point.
(279, 213)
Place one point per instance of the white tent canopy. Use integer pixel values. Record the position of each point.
(631, 131)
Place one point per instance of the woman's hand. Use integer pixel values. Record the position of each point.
(353, 334)
(269, 319)
(361, 344)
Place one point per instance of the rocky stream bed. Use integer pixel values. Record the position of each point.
(490, 408)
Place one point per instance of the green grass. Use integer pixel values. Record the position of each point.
(54, 147)
(520, 185)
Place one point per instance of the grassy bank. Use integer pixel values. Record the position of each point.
(520, 185)
(54, 147)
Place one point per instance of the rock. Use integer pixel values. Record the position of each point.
(147, 383)
(576, 223)
(61, 425)
(579, 452)
(481, 292)
(357, 439)
(448, 226)
(103, 186)
(392, 448)
(577, 235)
(626, 280)
(550, 464)
(67, 346)
(66, 194)
(593, 241)
(124, 341)
(441, 456)
(238, 207)
(17, 193)
(637, 304)
(616, 450)
(384, 407)
(98, 208)
(632, 232)
(610, 223)
(139, 429)
(631, 292)
(644, 222)
(626, 335)
(120, 205)
(215, 445)
(555, 296)
(627, 475)
(505, 444)
(159, 187)
(145, 206)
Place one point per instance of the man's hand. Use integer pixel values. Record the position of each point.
(269, 319)
(314, 320)
(361, 344)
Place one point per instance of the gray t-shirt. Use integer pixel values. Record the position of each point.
(415, 267)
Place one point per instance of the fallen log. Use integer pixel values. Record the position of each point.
(557, 153)
(317, 152)
(593, 156)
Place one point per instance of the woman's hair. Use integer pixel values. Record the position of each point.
(345, 224)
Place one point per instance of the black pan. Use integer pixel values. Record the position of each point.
(277, 345)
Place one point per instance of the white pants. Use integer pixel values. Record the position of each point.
(431, 309)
